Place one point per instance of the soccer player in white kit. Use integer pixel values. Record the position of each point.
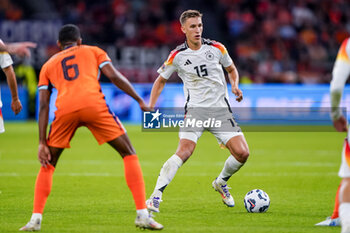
(199, 64)
(341, 72)
(6, 66)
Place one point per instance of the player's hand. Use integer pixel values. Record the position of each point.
(44, 155)
(238, 93)
(21, 49)
(341, 124)
(144, 107)
(16, 106)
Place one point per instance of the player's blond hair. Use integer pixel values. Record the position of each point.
(189, 14)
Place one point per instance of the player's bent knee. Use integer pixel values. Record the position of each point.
(242, 155)
(123, 145)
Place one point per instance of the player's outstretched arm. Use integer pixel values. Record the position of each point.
(234, 80)
(16, 105)
(157, 88)
(21, 49)
(44, 155)
(120, 81)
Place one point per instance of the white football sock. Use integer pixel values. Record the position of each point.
(166, 174)
(344, 214)
(231, 167)
(36, 216)
(143, 213)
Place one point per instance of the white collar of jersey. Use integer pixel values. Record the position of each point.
(204, 41)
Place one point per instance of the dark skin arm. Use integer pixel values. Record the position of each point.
(120, 81)
(44, 155)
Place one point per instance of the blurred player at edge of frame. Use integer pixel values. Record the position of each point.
(6, 65)
(340, 74)
(74, 72)
(21, 49)
(199, 64)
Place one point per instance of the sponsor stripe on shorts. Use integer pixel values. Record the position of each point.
(114, 117)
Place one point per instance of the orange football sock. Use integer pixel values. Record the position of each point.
(336, 205)
(134, 179)
(43, 186)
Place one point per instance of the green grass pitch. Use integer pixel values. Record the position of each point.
(89, 194)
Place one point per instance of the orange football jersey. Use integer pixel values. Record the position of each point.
(75, 73)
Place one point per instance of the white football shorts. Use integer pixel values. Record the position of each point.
(208, 121)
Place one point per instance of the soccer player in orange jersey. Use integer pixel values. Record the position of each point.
(74, 72)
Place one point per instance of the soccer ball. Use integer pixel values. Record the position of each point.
(256, 201)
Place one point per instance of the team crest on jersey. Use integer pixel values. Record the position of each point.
(209, 56)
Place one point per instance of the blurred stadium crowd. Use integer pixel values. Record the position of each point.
(271, 41)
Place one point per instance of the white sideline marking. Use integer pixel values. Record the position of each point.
(192, 163)
(254, 174)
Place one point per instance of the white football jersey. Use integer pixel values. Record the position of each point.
(201, 72)
(5, 61)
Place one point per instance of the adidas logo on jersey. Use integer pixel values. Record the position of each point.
(188, 62)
